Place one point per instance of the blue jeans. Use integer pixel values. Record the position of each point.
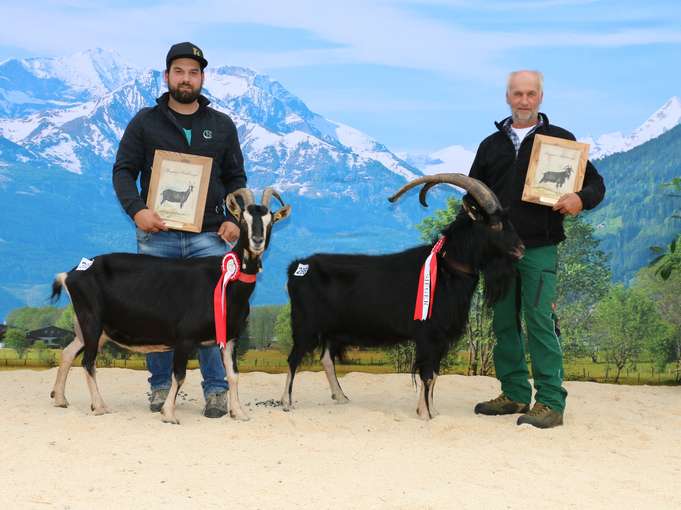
(184, 245)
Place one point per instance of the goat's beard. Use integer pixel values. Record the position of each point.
(498, 275)
(184, 96)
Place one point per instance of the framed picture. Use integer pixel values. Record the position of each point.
(557, 167)
(178, 189)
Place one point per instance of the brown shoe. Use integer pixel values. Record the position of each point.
(216, 405)
(501, 405)
(157, 399)
(542, 416)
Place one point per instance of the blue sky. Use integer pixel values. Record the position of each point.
(417, 76)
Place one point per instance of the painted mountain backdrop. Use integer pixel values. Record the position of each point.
(60, 123)
(61, 120)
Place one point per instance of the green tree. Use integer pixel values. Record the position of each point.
(402, 356)
(30, 318)
(44, 354)
(66, 319)
(261, 325)
(669, 259)
(16, 339)
(667, 298)
(626, 320)
(479, 336)
(282, 329)
(583, 280)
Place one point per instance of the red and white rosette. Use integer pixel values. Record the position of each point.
(230, 272)
(427, 281)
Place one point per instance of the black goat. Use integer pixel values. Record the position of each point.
(148, 304)
(178, 197)
(558, 178)
(339, 301)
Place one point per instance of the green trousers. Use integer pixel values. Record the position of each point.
(532, 295)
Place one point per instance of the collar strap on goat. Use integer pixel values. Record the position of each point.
(427, 281)
(230, 272)
(457, 266)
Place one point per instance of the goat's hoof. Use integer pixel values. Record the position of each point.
(169, 419)
(239, 415)
(60, 401)
(424, 415)
(52, 394)
(98, 411)
(340, 399)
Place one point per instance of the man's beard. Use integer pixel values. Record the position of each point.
(184, 96)
(524, 117)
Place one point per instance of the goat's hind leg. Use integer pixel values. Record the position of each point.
(180, 358)
(294, 359)
(67, 356)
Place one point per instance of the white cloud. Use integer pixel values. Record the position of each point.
(364, 31)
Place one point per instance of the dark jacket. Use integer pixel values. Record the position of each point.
(213, 135)
(497, 165)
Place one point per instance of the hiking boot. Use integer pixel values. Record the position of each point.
(158, 397)
(542, 416)
(501, 405)
(216, 405)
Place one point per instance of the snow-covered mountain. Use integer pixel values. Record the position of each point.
(454, 158)
(280, 136)
(664, 119)
(37, 84)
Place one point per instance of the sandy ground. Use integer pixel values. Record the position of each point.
(620, 448)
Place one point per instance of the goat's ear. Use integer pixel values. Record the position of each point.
(281, 213)
(233, 206)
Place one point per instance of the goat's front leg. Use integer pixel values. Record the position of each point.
(423, 406)
(431, 399)
(229, 360)
(168, 409)
(330, 369)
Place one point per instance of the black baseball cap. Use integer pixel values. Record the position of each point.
(185, 50)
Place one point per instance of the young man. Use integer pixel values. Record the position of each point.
(501, 162)
(182, 122)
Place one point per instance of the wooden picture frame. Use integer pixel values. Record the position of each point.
(557, 167)
(178, 189)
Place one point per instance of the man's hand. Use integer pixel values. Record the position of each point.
(569, 204)
(229, 232)
(149, 221)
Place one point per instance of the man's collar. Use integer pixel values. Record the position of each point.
(505, 124)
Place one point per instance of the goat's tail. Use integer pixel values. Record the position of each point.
(57, 285)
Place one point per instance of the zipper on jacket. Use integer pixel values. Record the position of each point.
(169, 115)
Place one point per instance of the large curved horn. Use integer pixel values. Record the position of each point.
(478, 190)
(267, 195)
(246, 196)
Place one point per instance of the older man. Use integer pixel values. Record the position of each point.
(501, 162)
(182, 121)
